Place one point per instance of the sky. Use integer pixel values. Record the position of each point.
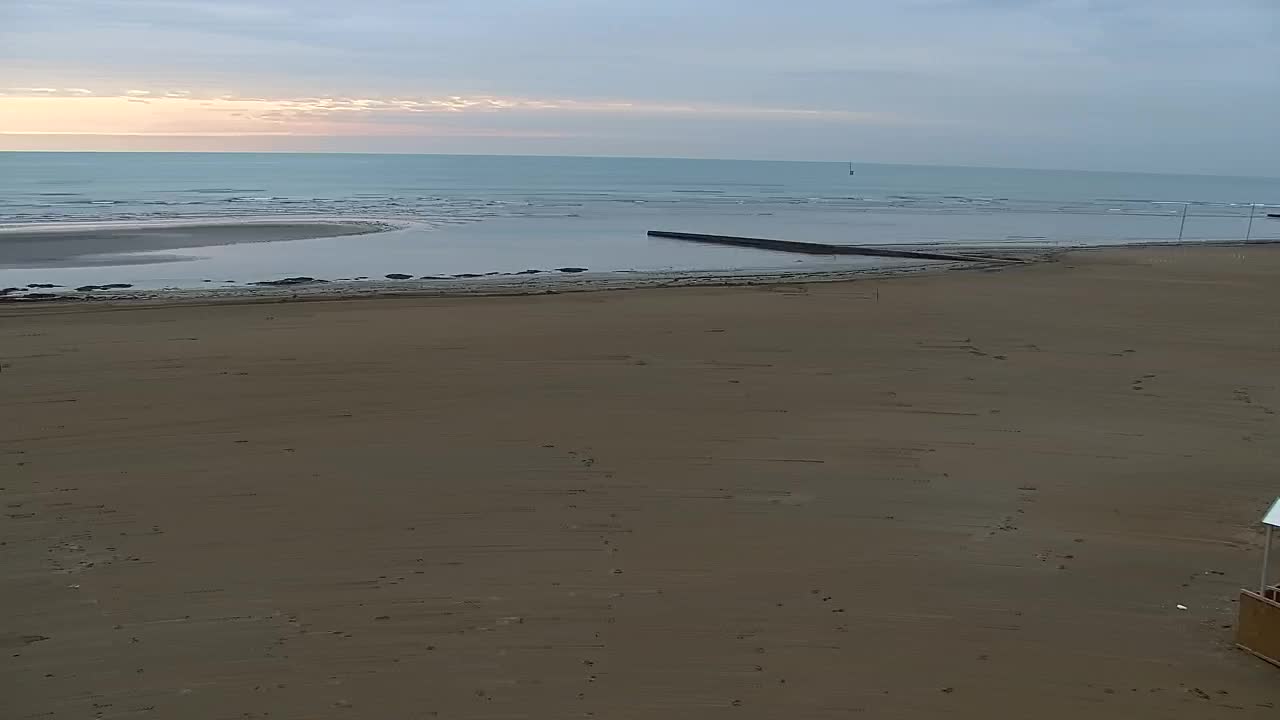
(1140, 85)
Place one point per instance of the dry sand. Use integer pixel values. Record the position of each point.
(978, 495)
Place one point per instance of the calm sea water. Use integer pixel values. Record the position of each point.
(476, 213)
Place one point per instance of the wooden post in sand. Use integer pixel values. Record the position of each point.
(1266, 561)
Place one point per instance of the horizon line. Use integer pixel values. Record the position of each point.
(637, 157)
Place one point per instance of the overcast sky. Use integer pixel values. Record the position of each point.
(1159, 85)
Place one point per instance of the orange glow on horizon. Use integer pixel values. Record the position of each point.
(145, 116)
(36, 111)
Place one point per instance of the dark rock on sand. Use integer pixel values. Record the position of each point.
(6, 291)
(467, 275)
(433, 277)
(571, 269)
(42, 285)
(302, 280)
(399, 276)
(108, 286)
(38, 296)
(527, 272)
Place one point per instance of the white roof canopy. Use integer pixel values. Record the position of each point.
(1272, 517)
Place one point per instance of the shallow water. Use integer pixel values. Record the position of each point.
(474, 214)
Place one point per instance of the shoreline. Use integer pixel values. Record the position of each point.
(945, 494)
(499, 285)
(543, 282)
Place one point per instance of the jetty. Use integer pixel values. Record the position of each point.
(811, 248)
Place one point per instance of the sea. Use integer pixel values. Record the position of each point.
(455, 214)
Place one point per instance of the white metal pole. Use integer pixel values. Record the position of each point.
(1266, 562)
(1253, 207)
(1183, 226)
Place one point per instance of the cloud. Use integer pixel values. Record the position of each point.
(174, 114)
(1087, 82)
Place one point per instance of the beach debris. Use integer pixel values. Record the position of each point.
(300, 280)
(399, 276)
(1182, 607)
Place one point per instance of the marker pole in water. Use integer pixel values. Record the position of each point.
(1253, 207)
(1183, 226)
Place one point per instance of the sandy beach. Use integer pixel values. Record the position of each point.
(967, 495)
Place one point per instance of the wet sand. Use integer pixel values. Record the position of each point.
(969, 495)
(110, 245)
